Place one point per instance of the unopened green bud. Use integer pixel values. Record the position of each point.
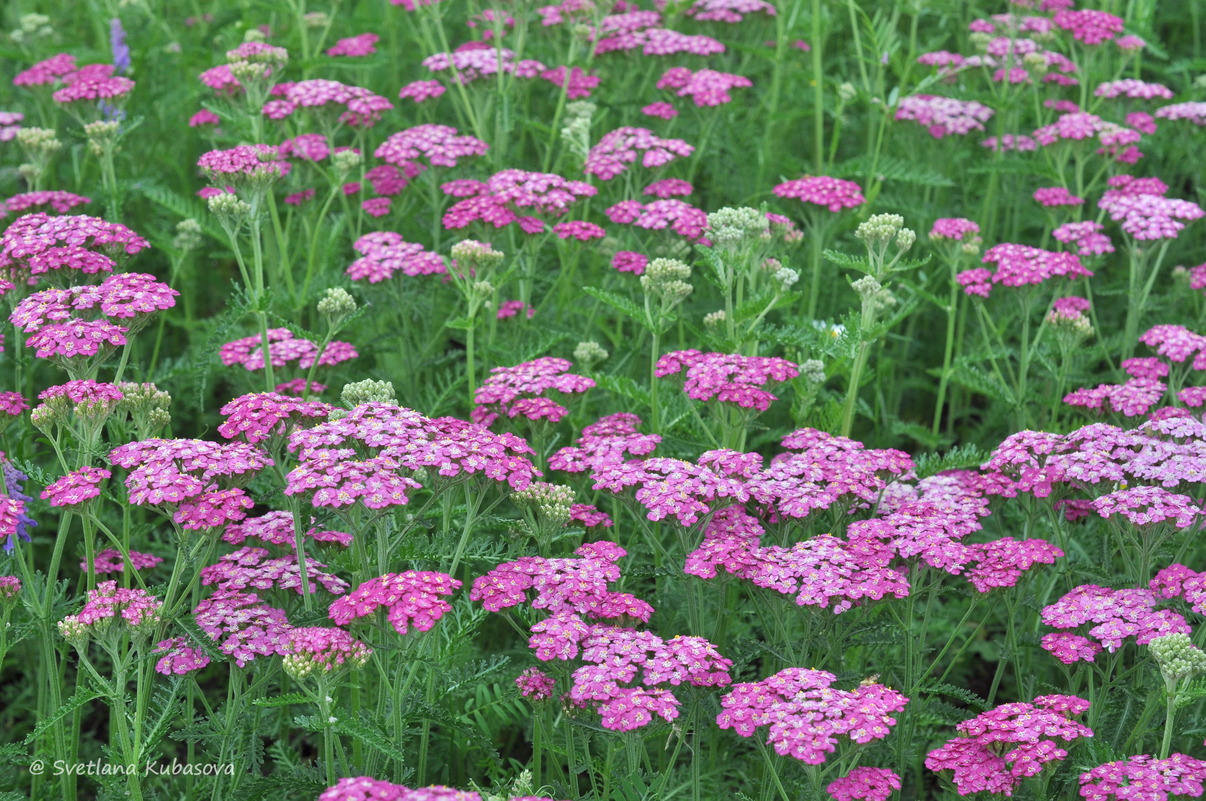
(589, 353)
(368, 391)
(336, 303)
(188, 235)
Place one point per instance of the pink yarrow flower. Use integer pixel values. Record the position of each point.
(831, 193)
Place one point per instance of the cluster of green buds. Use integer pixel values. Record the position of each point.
(1178, 658)
(40, 146)
(874, 296)
(731, 227)
(346, 162)
(188, 236)
(667, 280)
(337, 305)
(547, 507)
(145, 406)
(575, 133)
(368, 391)
(33, 26)
(102, 137)
(475, 258)
(590, 353)
(879, 233)
(231, 212)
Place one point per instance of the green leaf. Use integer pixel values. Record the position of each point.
(935, 687)
(82, 696)
(894, 169)
(285, 699)
(963, 457)
(619, 303)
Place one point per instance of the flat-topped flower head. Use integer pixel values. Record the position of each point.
(110, 560)
(619, 149)
(323, 649)
(705, 87)
(243, 627)
(864, 784)
(513, 196)
(284, 350)
(58, 200)
(109, 605)
(730, 11)
(251, 164)
(1117, 614)
(944, 116)
(959, 229)
(260, 416)
(76, 487)
(1000, 748)
(609, 439)
(385, 253)
(1145, 777)
(728, 378)
(252, 568)
(804, 715)
(351, 105)
(507, 389)
(411, 599)
(1020, 265)
(831, 193)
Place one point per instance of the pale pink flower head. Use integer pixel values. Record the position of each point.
(517, 391)
(944, 115)
(1020, 265)
(728, 378)
(1089, 26)
(364, 44)
(136, 609)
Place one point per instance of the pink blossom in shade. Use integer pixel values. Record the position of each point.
(12, 403)
(50, 70)
(1011, 142)
(510, 308)
(1134, 89)
(730, 11)
(111, 560)
(1145, 777)
(1071, 308)
(109, 89)
(578, 84)
(670, 487)
(1175, 342)
(10, 587)
(352, 105)
(243, 627)
(1070, 648)
(1002, 562)
(607, 440)
(1089, 26)
(10, 123)
(1142, 122)
(832, 193)
(307, 147)
(250, 568)
(298, 198)
(414, 598)
(958, 229)
(679, 216)
(470, 63)
(507, 386)
(213, 509)
(439, 145)
(578, 229)
(41, 242)
(203, 117)
(276, 528)
(1056, 196)
(221, 80)
(108, 602)
(944, 115)
(627, 261)
(705, 87)
(76, 487)
(60, 201)
(1020, 265)
(619, 149)
(588, 516)
(941, 58)
(283, 350)
(1117, 615)
(420, 91)
(1062, 106)
(364, 44)
(864, 784)
(661, 110)
(1000, 748)
(1194, 111)
(178, 658)
(535, 685)
(728, 378)
(1146, 506)
(1085, 236)
(376, 206)
(85, 395)
(669, 187)
(805, 715)
(388, 180)
(384, 253)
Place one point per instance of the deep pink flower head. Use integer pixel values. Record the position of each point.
(959, 229)
(609, 439)
(864, 784)
(76, 487)
(730, 11)
(260, 416)
(1005, 745)
(729, 378)
(420, 91)
(705, 87)
(136, 608)
(832, 193)
(438, 145)
(50, 70)
(283, 350)
(1089, 26)
(385, 253)
(619, 149)
(363, 44)
(1145, 777)
(414, 598)
(1020, 265)
(57, 199)
(805, 715)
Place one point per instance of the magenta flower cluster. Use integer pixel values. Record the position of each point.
(518, 391)
(414, 598)
(728, 378)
